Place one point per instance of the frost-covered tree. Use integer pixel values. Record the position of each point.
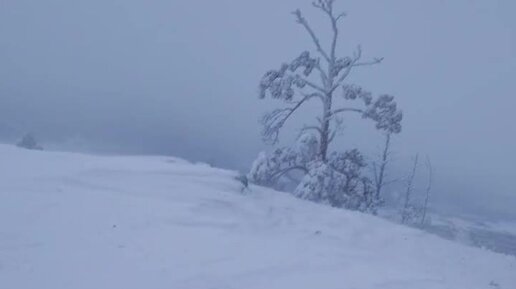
(321, 76)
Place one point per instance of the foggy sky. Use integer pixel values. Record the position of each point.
(180, 78)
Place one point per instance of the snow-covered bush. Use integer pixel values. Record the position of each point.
(268, 169)
(356, 188)
(29, 142)
(320, 184)
(339, 182)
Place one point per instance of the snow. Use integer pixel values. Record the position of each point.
(504, 226)
(78, 221)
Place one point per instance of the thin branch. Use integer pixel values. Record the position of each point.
(311, 84)
(355, 63)
(346, 109)
(275, 120)
(335, 29)
(327, 7)
(280, 173)
(332, 136)
(376, 60)
(313, 94)
(318, 129)
(343, 14)
(301, 20)
(324, 77)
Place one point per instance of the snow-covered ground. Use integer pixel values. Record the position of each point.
(77, 221)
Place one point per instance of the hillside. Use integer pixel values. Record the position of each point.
(78, 221)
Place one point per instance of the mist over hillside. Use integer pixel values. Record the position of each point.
(149, 78)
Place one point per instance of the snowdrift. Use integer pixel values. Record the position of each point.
(76, 221)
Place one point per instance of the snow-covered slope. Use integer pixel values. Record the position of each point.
(77, 221)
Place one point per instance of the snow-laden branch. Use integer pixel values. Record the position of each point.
(327, 7)
(283, 82)
(268, 169)
(310, 83)
(285, 171)
(273, 122)
(385, 113)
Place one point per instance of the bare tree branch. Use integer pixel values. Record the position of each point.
(332, 136)
(335, 29)
(392, 181)
(338, 17)
(311, 84)
(376, 60)
(346, 109)
(327, 7)
(316, 128)
(324, 76)
(355, 63)
(428, 189)
(406, 206)
(301, 20)
(379, 175)
(282, 172)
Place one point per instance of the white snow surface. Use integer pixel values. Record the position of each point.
(75, 221)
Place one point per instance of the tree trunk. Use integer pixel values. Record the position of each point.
(406, 214)
(325, 128)
(383, 165)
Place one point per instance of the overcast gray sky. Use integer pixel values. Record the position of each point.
(180, 78)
